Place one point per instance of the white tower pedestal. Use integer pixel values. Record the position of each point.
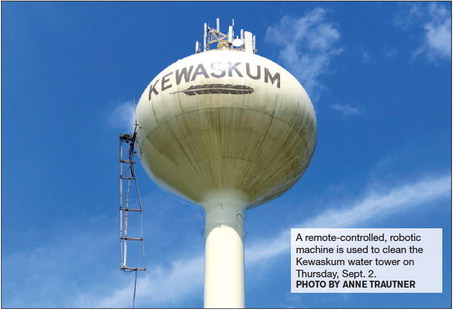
(224, 251)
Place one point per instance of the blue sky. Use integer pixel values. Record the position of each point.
(378, 73)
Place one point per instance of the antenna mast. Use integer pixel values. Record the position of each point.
(245, 43)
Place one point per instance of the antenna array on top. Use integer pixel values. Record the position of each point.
(246, 42)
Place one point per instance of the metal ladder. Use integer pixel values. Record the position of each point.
(127, 177)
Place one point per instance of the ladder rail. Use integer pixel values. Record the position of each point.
(121, 202)
(139, 200)
(126, 223)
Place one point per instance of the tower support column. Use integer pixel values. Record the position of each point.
(224, 251)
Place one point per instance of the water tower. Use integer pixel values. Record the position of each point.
(228, 130)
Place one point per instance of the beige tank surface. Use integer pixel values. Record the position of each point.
(229, 130)
(226, 120)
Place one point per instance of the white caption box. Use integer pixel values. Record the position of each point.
(350, 260)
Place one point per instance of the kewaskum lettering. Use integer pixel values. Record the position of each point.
(214, 70)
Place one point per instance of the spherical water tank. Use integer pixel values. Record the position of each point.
(226, 121)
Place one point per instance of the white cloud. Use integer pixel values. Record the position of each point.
(377, 204)
(80, 269)
(346, 109)
(58, 267)
(373, 205)
(123, 116)
(390, 52)
(438, 32)
(365, 55)
(307, 45)
(406, 17)
(161, 287)
(434, 21)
